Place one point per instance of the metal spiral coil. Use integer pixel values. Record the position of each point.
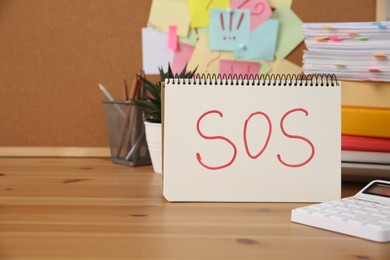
(323, 80)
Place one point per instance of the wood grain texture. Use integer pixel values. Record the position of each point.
(54, 151)
(69, 208)
(54, 53)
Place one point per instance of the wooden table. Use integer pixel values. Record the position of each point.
(93, 209)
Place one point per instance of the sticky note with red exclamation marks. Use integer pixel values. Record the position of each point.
(229, 29)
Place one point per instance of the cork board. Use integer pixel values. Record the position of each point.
(54, 53)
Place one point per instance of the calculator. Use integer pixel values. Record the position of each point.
(365, 215)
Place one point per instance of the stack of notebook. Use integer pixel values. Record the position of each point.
(366, 141)
(352, 51)
(358, 52)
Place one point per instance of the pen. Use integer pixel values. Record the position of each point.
(110, 98)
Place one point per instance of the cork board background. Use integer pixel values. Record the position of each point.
(53, 53)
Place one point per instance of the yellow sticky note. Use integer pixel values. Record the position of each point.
(164, 13)
(277, 3)
(199, 11)
(284, 67)
(207, 61)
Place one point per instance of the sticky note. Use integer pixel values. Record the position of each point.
(229, 30)
(278, 3)
(206, 60)
(379, 55)
(290, 34)
(155, 52)
(181, 57)
(340, 66)
(164, 13)
(262, 42)
(321, 39)
(374, 70)
(335, 38)
(231, 67)
(172, 37)
(264, 67)
(199, 11)
(193, 35)
(361, 38)
(260, 10)
(379, 25)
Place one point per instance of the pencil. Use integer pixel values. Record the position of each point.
(126, 91)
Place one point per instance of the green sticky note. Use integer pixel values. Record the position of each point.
(290, 34)
(361, 38)
(194, 35)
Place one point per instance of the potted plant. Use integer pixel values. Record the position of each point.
(150, 103)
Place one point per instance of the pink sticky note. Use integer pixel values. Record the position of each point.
(374, 70)
(172, 37)
(335, 38)
(260, 10)
(230, 67)
(181, 57)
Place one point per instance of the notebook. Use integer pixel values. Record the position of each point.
(252, 139)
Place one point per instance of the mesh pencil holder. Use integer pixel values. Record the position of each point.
(126, 133)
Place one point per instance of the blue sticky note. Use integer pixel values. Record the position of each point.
(262, 43)
(229, 29)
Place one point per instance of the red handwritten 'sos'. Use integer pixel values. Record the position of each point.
(257, 155)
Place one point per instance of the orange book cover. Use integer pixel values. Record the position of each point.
(361, 121)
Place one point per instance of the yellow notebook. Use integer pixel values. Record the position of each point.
(365, 94)
(365, 122)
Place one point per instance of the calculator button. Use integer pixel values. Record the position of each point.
(361, 219)
(320, 214)
(338, 218)
(378, 225)
(360, 212)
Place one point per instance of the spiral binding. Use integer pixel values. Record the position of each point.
(323, 80)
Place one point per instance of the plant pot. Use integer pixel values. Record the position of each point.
(154, 140)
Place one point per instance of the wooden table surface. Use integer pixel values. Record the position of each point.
(69, 208)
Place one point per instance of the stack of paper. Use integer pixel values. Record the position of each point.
(352, 51)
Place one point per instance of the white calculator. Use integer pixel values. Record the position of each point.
(365, 215)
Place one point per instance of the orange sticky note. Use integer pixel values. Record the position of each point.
(321, 39)
(379, 55)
